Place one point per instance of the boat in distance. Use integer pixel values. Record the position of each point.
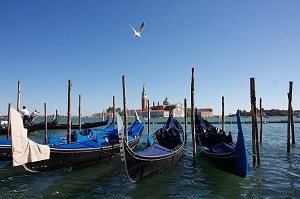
(76, 126)
(36, 126)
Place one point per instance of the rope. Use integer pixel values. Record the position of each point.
(251, 153)
(202, 149)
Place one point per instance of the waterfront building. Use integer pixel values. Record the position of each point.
(164, 109)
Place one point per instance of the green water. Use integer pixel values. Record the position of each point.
(277, 177)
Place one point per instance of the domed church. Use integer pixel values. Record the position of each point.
(161, 110)
(166, 108)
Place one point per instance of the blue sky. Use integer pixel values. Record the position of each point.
(43, 44)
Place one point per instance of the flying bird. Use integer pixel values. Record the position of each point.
(137, 34)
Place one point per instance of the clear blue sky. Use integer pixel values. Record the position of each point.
(44, 43)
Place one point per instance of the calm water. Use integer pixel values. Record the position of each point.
(277, 177)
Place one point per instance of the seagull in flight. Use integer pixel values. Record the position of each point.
(137, 34)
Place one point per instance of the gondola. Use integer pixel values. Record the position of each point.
(36, 126)
(41, 125)
(162, 151)
(75, 154)
(217, 148)
(83, 125)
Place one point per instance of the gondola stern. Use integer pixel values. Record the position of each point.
(242, 165)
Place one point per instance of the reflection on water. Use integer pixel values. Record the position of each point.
(277, 177)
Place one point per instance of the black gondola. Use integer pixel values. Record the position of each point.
(217, 148)
(83, 125)
(164, 151)
(36, 126)
(36, 157)
(5, 145)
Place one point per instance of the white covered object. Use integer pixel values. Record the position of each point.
(23, 149)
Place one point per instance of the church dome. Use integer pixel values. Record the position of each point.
(166, 102)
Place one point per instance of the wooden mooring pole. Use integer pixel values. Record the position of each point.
(46, 123)
(261, 120)
(185, 121)
(9, 121)
(291, 111)
(125, 108)
(292, 126)
(290, 116)
(69, 126)
(255, 145)
(114, 110)
(223, 116)
(148, 117)
(192, 116)
(79, 113)
(288, 149)
(19, 96)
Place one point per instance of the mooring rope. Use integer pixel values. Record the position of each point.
(251, 153)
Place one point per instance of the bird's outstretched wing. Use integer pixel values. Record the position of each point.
(142, 27)
(133, 29)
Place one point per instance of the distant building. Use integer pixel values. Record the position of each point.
(205, 112)
(163, 110)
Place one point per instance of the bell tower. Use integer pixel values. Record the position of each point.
(144, 98)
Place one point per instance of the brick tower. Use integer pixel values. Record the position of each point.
(144, 98)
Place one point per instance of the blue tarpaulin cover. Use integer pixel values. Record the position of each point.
(5, 142)
(89, 138)
(155, 150)
(76, 145)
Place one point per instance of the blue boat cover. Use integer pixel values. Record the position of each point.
(170, 135)
(55, 140)
(150, 140)
(155, 150)
(222, 148)
(136, 129)
(207, 135)
(5, 142)
(241, 164)
(76, 145)
(94, 139)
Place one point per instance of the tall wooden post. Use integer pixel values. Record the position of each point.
(79, 113)
(288, 126)
(148, 117)
(9, 121)
(114, 110)
(125, 108)
(261, 120)
(56, 114)
(185, 121)
(19, 96)
(223, 116)
(292, 126)
(255, 146)
(256, 134)
(69, 126)
(46, 123)
(192, 116)
(291, 111)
